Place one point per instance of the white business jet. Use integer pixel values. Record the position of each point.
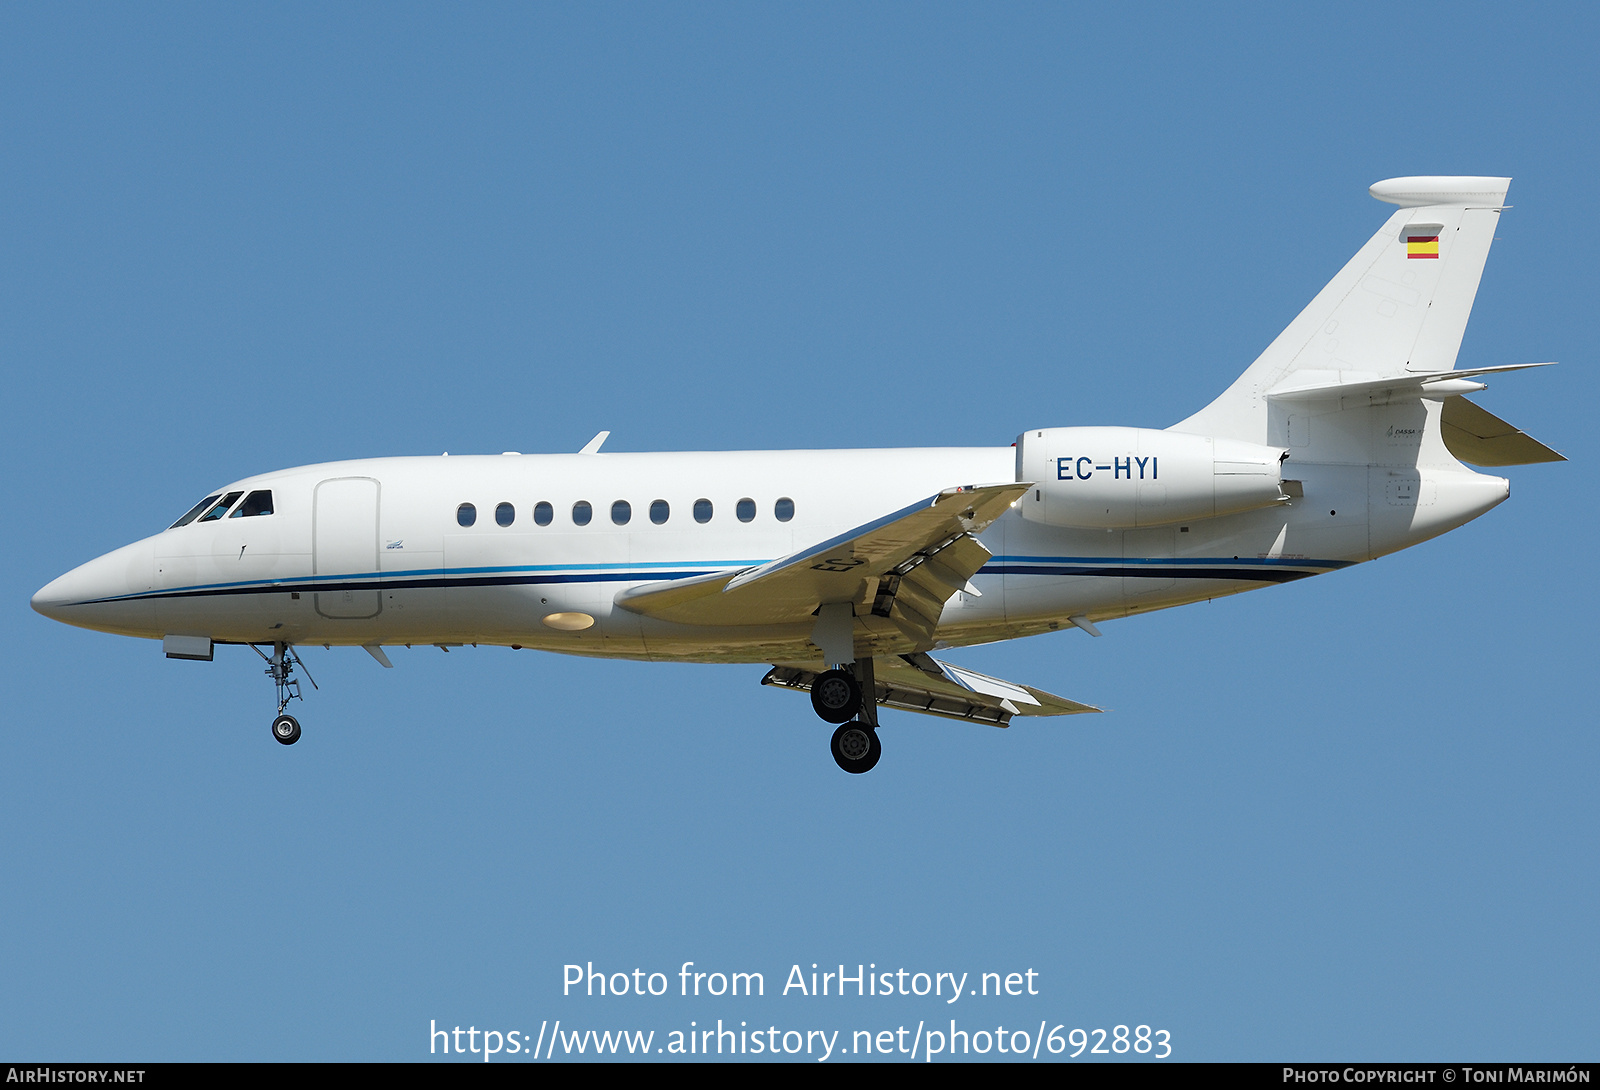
(1343, 442)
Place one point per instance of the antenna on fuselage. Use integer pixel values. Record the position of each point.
(593, 445)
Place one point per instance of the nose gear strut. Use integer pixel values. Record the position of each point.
(280, 668)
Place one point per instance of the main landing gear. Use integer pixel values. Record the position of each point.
(280, 665)
(836, 696)
(856, 747)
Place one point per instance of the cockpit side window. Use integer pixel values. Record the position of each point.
(194, 512)
(222, 507)
(256, 503)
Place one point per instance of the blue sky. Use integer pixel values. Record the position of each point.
(1352, 817)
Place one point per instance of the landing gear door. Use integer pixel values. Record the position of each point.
(345, 548)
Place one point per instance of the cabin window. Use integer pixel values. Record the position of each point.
(505, 514)
(582, 513)
(784, 509)
(702, 510)
(256, 503)
(621, 512)
(194, 512)
(660, 512)
(543, 513)
(466, 515)
(746, 510)
(221, 508)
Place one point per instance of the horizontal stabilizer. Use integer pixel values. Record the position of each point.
(1312, 385)
(918, 683)
(904, 566)
(1480, 438)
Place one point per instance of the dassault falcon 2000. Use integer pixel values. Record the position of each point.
(1343, 442)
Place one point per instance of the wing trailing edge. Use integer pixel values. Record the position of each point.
(919, 683)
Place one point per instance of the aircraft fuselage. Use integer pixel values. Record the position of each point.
(375, 551)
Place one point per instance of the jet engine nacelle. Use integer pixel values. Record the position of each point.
(1122, 478)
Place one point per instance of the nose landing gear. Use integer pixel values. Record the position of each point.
(280, 667)
(286, 729)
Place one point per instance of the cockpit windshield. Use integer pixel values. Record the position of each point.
(216, 505)
(256, 503)
(194, 512)
(222, 507)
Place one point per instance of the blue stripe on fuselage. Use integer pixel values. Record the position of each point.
(1253, 569)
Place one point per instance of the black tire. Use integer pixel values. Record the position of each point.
(856, 748)
(836, 696)
(286, 729)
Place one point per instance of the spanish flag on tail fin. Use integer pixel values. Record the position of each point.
(1422, 245)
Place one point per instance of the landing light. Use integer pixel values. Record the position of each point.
(569, 622)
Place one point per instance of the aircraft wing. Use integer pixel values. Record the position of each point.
(900, 568)
(918, 683)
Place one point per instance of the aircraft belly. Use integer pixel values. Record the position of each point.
(517, 614)
(243, 617)
(792, 643)
(669, 642)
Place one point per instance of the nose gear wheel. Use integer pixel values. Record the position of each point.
(286, 729)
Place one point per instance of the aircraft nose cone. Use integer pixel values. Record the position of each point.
(106, 593)
(49, 598)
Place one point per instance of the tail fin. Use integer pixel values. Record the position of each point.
(1400, 305)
